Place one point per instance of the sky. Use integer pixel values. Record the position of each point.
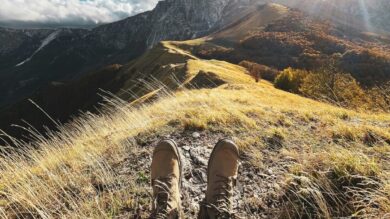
(69, 12)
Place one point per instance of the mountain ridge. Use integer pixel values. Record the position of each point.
(75, 52)
(265, 26)
(269, 34)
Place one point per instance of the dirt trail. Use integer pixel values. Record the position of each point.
(256, 191)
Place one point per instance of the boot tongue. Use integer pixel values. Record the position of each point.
(224, 190)
(222, 206)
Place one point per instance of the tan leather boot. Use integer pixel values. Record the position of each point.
(166, 181)
(221, 175)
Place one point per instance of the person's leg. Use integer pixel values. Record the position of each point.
(166, 181)
(221, 174)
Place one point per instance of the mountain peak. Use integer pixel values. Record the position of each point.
(184, 19)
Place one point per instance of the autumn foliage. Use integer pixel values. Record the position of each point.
(332, 85)
(258, 71)
(291, 79)
(302, 43)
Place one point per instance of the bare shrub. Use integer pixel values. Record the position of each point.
(258, 71)
(339, 88)
(379, 97)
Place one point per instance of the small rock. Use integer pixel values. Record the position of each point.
(196, 135)
(269, 171)
(186, 148)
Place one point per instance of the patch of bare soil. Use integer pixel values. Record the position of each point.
(257, 187)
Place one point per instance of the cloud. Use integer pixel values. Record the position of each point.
(78, 12)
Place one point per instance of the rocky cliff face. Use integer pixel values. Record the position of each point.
(12, 39)
(18, 44)
(184, 19)
(173, 20)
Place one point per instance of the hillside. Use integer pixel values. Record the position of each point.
(280, 37)
(15, 40)
(300, 158)
(32, 59)
(371, 16)
(268, 34)
(60, 100)
(72, 53)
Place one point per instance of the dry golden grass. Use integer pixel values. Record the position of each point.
(74, 172)
(254, 22)
(338, 182)
(227, 72)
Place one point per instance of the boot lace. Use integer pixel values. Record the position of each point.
(163, 198)
(222, 205)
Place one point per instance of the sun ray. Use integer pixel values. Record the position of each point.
(366, 16)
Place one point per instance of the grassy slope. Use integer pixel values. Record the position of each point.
(255, 21)
(329, 160)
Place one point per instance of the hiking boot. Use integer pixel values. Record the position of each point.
(221, 175)
(166, 181)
